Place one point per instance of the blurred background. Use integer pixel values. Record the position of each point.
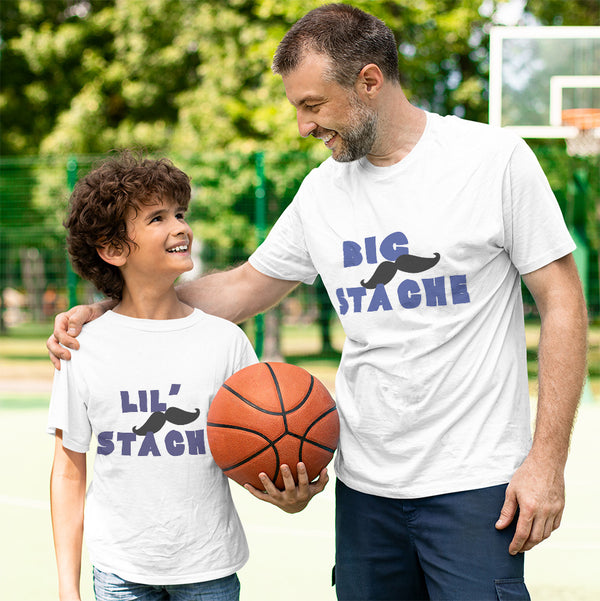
(191, 80)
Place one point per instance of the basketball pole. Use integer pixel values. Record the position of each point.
(72, 171)
(260, 222)
(576, 193)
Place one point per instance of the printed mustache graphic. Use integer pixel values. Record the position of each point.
(408, 263)
(173, 415)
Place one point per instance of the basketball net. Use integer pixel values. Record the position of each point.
(587, 142)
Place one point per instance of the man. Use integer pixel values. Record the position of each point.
(420, 227)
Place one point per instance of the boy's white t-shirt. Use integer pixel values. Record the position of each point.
(432, 387)
(158, 510)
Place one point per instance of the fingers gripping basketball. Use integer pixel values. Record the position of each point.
(270, 414)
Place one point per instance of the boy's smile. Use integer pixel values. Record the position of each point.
(161, 241)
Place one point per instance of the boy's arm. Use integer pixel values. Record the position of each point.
(235, 295)
(67, 497)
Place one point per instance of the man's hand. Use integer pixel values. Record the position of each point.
(293, 498)
(538, 492)
(67, 326)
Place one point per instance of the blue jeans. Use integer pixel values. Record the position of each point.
(443, 547)
(109, 587)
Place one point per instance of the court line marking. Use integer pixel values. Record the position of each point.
(24, 502)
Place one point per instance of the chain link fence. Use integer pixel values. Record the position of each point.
(235, 199)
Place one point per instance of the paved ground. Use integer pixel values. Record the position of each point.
(291, 556)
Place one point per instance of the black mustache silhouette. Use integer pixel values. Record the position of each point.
(408, 263)
(173, 415)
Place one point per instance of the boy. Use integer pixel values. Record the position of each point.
(159, 519)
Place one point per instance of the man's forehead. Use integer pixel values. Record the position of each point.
(308, 81)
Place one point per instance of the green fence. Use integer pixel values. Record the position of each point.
(235, 198)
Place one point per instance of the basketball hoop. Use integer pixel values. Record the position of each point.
(587, 142)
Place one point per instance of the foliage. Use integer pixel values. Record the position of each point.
(192, 79)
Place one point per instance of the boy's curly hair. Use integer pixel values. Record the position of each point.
(100, 206)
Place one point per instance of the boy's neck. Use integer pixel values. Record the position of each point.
(150, 304)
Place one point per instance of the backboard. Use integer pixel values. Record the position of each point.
(537, 73)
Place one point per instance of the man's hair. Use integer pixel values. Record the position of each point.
(350, 38)
(101, 204)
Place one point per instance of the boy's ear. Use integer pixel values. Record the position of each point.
(112, 255)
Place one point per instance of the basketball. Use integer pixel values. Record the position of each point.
(270, 414)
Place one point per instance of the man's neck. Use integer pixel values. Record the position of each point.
(401, 127)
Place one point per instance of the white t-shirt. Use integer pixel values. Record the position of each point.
(158, 510)
(432, 387)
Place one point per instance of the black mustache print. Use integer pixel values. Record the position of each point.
(173, 415)
(408, 263)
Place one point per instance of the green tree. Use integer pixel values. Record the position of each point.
(192, 78)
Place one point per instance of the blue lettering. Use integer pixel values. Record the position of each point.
(458, 285)
(435, 291)
(105, 443)
(126, 406)
(343, 302)
(393, 246)
(409, 294)
(149, 446)
(174, 443)
(143, 397)
(380, 299)
(352, 254)
(357, 295)
(126, 438)
(154, 403)
(371, 249)
(196, 442)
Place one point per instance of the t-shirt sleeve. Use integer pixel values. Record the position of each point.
(284, 254)
(535, 230)
(246, 355)
(68, 410)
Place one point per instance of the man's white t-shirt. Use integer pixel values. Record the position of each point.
(158, 510)
(422, 261)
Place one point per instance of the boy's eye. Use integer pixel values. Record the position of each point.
(180, 215)
(157, 218)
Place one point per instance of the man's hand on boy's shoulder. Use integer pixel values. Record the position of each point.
(293, 498)
(67, 326)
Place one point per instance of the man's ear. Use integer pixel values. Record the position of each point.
(370, 80)
(112, 255)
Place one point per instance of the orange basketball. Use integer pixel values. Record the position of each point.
(270, 414)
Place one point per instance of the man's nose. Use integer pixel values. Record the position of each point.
(305, 125)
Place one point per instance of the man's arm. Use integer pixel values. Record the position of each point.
(537, 488)
(67, 498)
(235, 295)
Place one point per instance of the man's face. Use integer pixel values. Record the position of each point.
(330, 112)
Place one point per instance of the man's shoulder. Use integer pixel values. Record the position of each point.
(453, 125)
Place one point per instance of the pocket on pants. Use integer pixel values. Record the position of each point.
(511, 589)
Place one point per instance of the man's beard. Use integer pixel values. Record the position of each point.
(359, 137)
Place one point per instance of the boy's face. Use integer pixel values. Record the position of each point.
(163, 241)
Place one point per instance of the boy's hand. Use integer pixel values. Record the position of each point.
(67, 326)
(293, 498)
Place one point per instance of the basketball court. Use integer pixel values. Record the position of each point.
(544, 83)
(291, 556)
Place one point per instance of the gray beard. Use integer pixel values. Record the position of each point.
(359, 139)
